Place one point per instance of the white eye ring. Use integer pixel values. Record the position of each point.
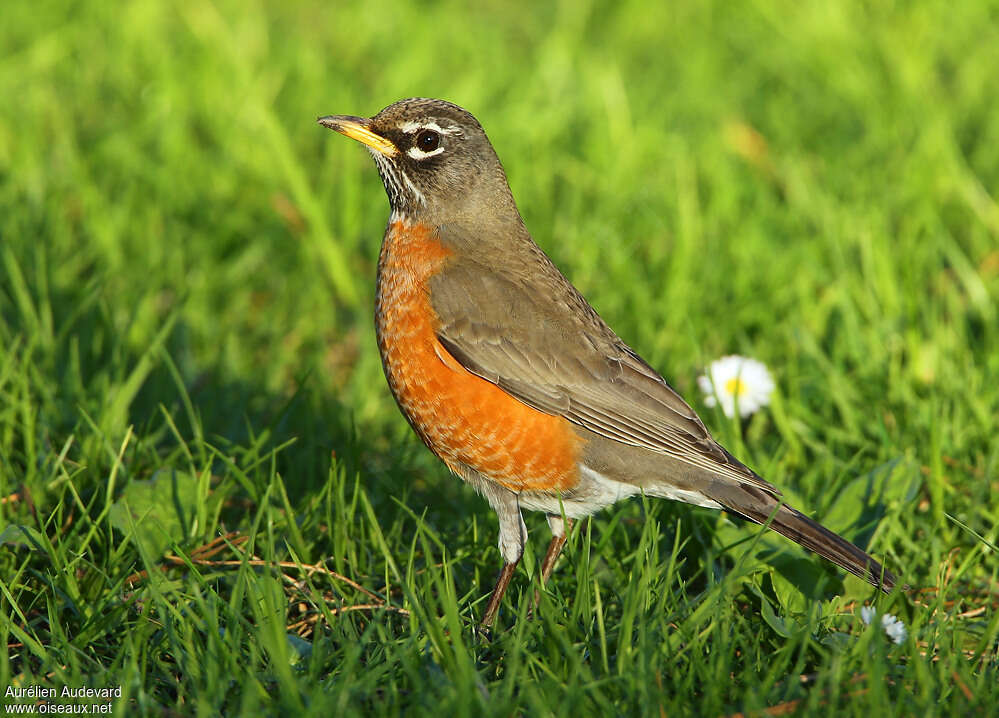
(417, 154)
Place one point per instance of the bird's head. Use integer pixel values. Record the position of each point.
(434, 159)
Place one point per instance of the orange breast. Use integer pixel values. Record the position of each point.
(461, 417)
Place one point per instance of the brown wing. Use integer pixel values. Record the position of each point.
(533, 335)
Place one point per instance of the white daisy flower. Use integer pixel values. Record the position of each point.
(894, 628)
(736, 381)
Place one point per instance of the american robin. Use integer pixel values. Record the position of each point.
(510, 376)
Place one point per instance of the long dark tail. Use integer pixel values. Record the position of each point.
(756, 505)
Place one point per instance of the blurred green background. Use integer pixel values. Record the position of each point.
(186, 288)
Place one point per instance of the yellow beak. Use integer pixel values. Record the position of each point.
(356, 128)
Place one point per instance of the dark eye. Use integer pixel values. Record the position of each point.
(428, 140)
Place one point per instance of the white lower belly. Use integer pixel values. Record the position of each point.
(597, 491)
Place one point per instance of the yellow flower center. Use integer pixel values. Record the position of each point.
(735, 387)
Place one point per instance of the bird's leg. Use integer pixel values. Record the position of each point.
(512, 536)
(560, 534)
(492, 608)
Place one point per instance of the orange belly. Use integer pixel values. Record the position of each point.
(463, 418)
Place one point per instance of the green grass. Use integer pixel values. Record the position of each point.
(187, 353)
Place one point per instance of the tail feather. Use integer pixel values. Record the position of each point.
(758, 506)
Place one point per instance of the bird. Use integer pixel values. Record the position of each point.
(508, 374)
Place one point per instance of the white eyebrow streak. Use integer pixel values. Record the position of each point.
(411, 126)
